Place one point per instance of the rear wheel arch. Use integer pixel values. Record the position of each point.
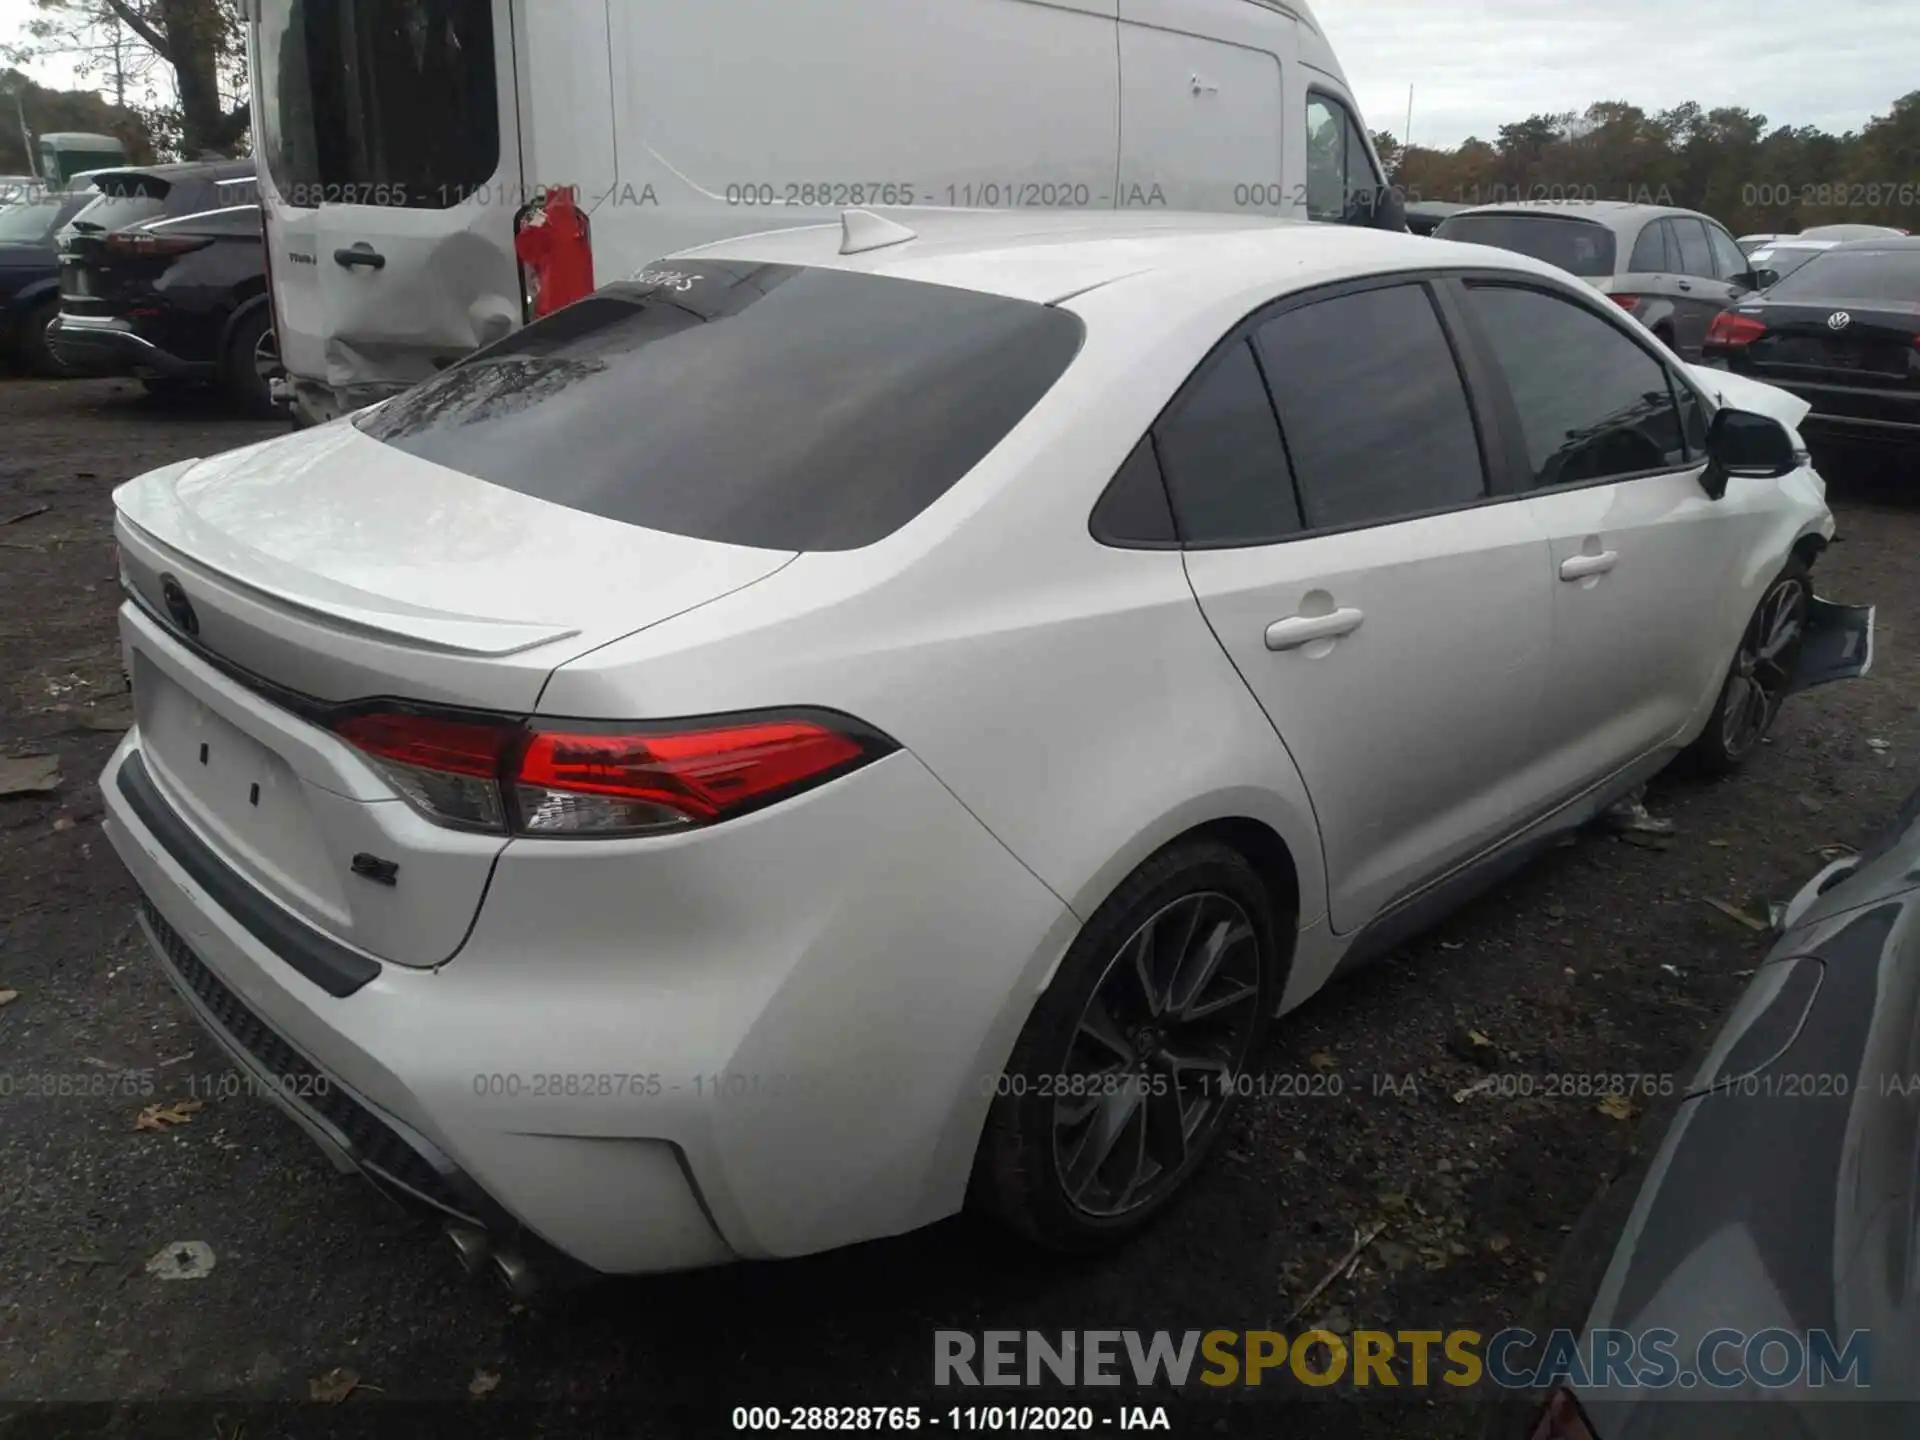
(1263, 848)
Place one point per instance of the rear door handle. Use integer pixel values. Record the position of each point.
(1579, 567)
(361, 254)
(1298, 630)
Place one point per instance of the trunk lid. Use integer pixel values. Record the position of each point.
(326, 567)
(1874, 346)
(342, 568)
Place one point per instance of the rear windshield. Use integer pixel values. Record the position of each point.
(379, 102)
(30, 221)
(1578, 246)
(124, 200)
(1782, 260)
(1856, 275)
(768, 405)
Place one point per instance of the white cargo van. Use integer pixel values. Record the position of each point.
(398, 138)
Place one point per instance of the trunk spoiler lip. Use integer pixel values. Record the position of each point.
(419, 630)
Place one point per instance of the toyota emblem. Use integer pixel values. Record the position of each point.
(178, 606)
(1839, 320)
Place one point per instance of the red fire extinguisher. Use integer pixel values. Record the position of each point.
(554, 244)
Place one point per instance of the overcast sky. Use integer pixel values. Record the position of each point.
(1475, 64)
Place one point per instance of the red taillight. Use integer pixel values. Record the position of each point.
(1561, 1419)
(1734, 330)
(1627, 302)
(138, 242)
(449, 770)
(561, 779)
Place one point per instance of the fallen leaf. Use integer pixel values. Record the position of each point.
(1734, 912)
(7, 997)
(1616, 1107)
(29, 774)
(65, 822)
(1539, 1277)
(1452, 945)
(1474, 1037)
(1460, 1097)
(159, 1117)
(1321, 1060)
(182, 1260)
(483, 1382)
(1498, 1244)
(1719, 844)
(25, 515)
(334, 1386)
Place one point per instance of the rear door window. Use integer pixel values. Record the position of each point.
(1650, 251)
(779, 406)
(1219, 447)
(1696, 256)
(1373, 408)
(378, 102)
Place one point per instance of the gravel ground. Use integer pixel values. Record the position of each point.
(1603, 958)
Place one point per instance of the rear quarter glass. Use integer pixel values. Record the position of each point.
(777, 406)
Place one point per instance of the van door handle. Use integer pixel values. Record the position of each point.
(361, 254)
(1579, 567)
(1297, 630)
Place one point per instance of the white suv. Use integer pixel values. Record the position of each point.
(851, 719)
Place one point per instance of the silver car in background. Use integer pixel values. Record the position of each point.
(1672, 269)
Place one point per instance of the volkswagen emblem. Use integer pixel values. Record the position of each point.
(1839, 320)
(178, 606)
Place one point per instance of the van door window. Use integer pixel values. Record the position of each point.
(378, 102)
(1339, 167)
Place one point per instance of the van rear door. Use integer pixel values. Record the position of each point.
(390, 164)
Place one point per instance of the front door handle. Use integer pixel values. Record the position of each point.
(1579, 567)
(1297, 630)
(361, 254)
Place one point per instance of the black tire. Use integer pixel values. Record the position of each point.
(37, 354)
(241, 380)
(1746, 710)
(1018, 1171)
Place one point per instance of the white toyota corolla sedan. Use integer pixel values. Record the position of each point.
(863, 719)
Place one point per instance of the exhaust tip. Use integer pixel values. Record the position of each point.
(470, 1245)
(515, 1273)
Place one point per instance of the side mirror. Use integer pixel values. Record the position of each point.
(1760, 279)
(1378, 208)
(1755, 447)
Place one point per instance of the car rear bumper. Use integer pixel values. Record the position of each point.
(108, 345)
(1858, 411)
(640, 1074)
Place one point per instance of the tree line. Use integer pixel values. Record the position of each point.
(1728, 162)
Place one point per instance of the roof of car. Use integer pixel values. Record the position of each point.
(1614, 213)
(1879, 242)
(1050, 257)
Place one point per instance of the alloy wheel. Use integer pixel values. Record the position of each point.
(1155, 1055)
(1763, 667)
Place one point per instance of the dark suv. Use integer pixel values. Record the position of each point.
(30, 272)
(163, 277)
